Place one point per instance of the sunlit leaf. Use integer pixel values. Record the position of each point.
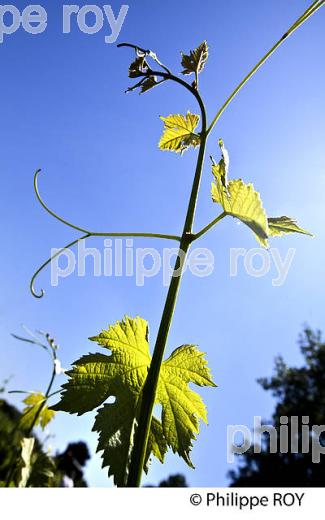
(241, 201)
(182, 408)
(157, 444)
(36, 408)
(179, 132)
(279, 226)
(238, 199)
(122, 374)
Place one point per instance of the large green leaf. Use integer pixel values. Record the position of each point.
(115, 424)
(194, 61)
(36, 409)
(96, 377)
(179, 132)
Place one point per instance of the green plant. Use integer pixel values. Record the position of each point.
(129, 433)
(26, 463)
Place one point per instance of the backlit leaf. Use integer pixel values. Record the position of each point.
(241, 201)
(182, 408)
(122, 374)
(279, 226)
(179, 132)
(238, 199)
(36, 407)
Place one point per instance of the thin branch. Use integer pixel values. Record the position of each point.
(41, 294)
(181, 82)
(209, 226)
(96, 233)
(137, 235)
(309, 12)
(34, 342)
(84, 237)
(54, 393)
(77, 228)
(135, 47)
(149, 53)
(20, 392)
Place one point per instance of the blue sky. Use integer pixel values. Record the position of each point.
(63, 109)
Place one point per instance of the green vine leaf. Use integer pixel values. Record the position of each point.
(196, 60)
(280, 226)
(238, 199)
(157, 444)
(139, 68)
(241, 201)
(96, 377)
(34, 402)
(181, 407)
(179, 132)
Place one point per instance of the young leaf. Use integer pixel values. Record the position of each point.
(278, 226)
(138, 68)
(148, 84)
(239, 200)
(195, 61)
(96, 377)
(34, 403)
(179, 132)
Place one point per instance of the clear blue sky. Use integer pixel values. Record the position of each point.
(63, 109)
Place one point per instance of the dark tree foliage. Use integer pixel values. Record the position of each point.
(72, 461)
(10, 437)
(173, 481)
(299, 392)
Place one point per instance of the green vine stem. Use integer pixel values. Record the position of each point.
(32, 282)
(150, 387)
(209, 226)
